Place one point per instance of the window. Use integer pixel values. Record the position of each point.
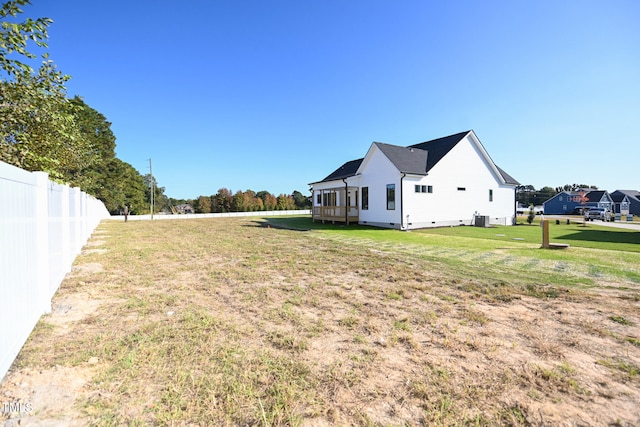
(329, 199)
(319, 199)
(462, 189)
(417, 188)
(490, 195)
(391, 197)
(365, 198)
(560, 198)
(429, 188)
(424, 188)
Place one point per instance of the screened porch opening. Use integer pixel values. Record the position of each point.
(338, 204)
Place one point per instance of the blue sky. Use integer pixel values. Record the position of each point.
(273, 95)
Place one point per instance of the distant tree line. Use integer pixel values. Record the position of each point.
(243, 201)
(527, 195)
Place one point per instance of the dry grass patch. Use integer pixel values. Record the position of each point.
(229, 322)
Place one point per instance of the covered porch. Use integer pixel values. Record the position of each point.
(338, 204)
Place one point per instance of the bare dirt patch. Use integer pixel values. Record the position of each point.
(227, 322)
(88, 268)
(47, 396)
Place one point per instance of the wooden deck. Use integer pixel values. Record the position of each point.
(335, 214)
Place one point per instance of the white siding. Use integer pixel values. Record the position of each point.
(378, 171)
(463, 167)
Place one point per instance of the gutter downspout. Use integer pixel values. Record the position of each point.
(346, 197)
(515, 207)
(401, 203)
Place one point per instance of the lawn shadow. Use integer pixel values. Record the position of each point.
(305, 224)
(603, 236)
(267, 222)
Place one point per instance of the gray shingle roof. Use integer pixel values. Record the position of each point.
(595, 195)
(415, 159)
(344, 171)
(438, 148)
(507, 178)
(617, 197)
(630, 193)
(406, 159)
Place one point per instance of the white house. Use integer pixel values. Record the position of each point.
(443, 182)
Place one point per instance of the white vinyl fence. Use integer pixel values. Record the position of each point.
(43, 226)
(213, 215)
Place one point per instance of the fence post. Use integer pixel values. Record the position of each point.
(41, 254)
(67, 258)
(76, 222)
(545, 233)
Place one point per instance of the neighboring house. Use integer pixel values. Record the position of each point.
(443, 182)
(633, 197)
(184, 208)
(569, 202)
(620, 203)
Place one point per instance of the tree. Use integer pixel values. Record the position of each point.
(237, 203)
(250, 201)
(160, 200)
(269, 201)
(96, 131)
(575, 187)
(126, 187)
(259, 204)
(37, 127)
(542, 195)
(202, 204)
(524, 194)
(134, 189)
(301, 201)
(285, 203)
(527, 195)
(221, 201)
(532, 214)
(15, 36)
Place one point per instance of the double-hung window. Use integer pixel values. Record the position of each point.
(391, 197)
(365, 198)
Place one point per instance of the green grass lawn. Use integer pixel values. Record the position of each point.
(575, 234)
(595, 251)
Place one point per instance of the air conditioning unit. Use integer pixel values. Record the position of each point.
(482, 221)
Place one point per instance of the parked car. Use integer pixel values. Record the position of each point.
(580, 210)
(597, 213)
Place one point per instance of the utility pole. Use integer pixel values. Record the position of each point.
(151, 184)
